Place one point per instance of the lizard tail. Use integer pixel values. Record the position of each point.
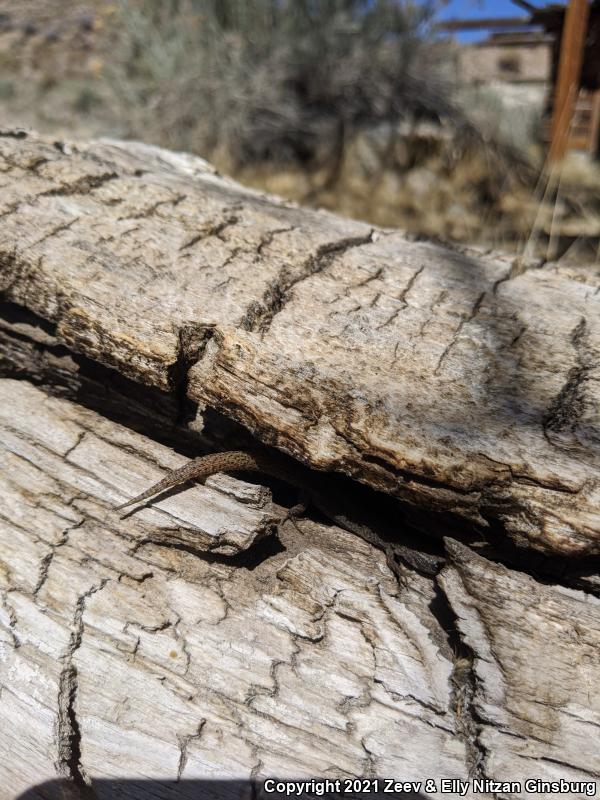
(198, 469)
(174, 478)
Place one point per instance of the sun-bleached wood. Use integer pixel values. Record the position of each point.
(462, 383)
(535, 666)
(124, 655)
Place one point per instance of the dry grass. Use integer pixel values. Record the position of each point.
(428, 180)
(337, 104)
(567, 219)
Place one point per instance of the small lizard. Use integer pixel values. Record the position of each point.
(198, 469)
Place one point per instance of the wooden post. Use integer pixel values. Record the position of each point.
(595, 123)
(569, 71)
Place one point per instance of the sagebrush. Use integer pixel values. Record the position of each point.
(273, 79)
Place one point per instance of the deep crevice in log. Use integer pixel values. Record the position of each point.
(32, 352)
(463, 682)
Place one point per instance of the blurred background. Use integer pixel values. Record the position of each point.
(471, 122)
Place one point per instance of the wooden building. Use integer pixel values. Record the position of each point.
(574, 104)
(573, 108)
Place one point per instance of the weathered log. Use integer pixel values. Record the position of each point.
(463, 384)
(127, 652)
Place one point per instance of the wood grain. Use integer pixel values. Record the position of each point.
(123, 656)
(464, 384)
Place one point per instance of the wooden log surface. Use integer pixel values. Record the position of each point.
(129, 649)
(464, 384)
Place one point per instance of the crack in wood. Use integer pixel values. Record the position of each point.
(568, 405)
(82, 185)
(260, 314)
(68, 732)
(464, 321)
(212, 229)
